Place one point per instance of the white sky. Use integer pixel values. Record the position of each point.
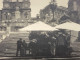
(36, 5)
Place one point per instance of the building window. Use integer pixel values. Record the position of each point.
(6, 0)
(17, 14)
(20, 0)
(75, 6)
(14, 0)
(26, 0)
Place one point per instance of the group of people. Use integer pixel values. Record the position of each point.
(45, 43)
(21, 48)
(62, 43)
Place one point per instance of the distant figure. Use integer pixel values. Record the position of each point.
(24, 47)
(33, 47)
(19, 44)
(68, 39)
(60, 49)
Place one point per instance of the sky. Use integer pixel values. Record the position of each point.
(36, 5)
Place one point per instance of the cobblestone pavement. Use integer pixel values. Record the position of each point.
(24, 58)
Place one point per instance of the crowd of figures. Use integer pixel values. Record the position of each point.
(21, 48)
(46, 44)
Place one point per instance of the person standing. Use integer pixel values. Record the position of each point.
(60, 49)
(19, 44)
(24, 47)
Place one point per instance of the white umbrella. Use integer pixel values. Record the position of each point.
(39, 26)
(69, 26)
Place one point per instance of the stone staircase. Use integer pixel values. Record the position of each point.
(76, 48)
(8, 45)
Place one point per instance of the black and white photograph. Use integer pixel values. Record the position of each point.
(39, 29)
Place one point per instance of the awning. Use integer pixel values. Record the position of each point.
(39, 26)
(69, 26)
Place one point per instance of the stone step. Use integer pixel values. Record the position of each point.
(1, 54)
(19, 35)
(12, 41)
(8, 55)
(75, 46)
(10, 51)
(16, 39)
(8, 45)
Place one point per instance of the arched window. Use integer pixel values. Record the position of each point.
(6, 0)
(20, 0)
(4, 16)
(26, 15)
(75, 6)
(14, 0)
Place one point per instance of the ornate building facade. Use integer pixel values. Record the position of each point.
(74, 10)
(53, 13)
(15, 13)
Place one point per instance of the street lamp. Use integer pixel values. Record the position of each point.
(53, 6)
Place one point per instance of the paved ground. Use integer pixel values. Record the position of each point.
(24, 58)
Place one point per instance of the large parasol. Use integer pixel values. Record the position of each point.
(69, 26)
(39, 26)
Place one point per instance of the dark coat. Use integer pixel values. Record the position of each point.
(19, 43)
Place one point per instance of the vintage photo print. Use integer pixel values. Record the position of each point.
(39, 29)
